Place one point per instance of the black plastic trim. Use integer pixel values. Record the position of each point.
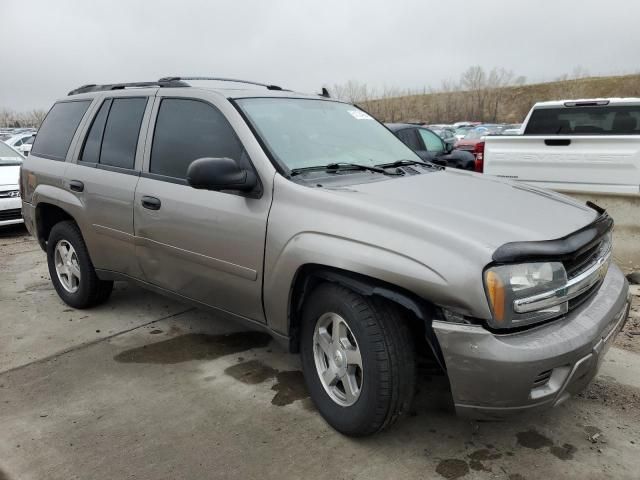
(111, 168)
(560, 142)
(164, 178)
(559, 249)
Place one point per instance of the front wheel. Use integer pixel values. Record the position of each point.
(358, 359)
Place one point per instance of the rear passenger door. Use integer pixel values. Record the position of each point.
(204, 245)
(104, 179)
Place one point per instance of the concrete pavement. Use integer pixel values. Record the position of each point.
(144, 387)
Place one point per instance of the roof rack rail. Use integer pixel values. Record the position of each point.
(221, 79)
(122, 86)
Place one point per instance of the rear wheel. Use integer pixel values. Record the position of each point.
(71, 270)
(358, 359)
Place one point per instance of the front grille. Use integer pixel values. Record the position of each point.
(581, 262)
(11, 214)
(583, 297)
(542, 378)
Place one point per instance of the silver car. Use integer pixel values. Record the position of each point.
(306, 217)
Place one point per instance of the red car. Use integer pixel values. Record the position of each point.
(473, 142)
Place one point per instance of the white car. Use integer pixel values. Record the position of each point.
(21, 142)
(10, 202)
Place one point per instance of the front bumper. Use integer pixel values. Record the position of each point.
(494, 375)
(9, 211)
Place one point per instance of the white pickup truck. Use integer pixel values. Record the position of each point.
(589, 149)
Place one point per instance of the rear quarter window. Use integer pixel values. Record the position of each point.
(55, 135)
(587, 120)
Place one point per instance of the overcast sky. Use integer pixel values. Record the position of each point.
(50, 47)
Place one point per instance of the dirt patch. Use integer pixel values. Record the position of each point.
(478, 466)
(155, 332)
(613, 394)
(37, 286)
(516, 476)
(251, 372)
(532, 439)
(565, 452)
(290, 387)
(452, 468)
(591, 430)
(194, 346)
(629, 336)
(485, 454)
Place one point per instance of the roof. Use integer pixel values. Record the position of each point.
(587, 101)
(249, 88)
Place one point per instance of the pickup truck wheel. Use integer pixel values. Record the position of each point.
(71, 270)
(358, 359)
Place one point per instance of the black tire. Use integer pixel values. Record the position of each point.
(388, 360)
(91, 290)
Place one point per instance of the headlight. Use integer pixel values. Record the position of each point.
(506, 284)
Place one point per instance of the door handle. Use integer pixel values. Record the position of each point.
(76, 186)
(557, 142)
(151, 203)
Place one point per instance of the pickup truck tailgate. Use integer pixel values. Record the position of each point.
(573, 163)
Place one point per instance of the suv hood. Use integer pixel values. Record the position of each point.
(9, 175)
(483, 210)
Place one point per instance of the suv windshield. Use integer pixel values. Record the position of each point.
(8, 156)
(302, 133)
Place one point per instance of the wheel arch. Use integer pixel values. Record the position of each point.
(47, 215)
(308, 276)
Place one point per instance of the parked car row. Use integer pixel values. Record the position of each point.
(21, 139)
(10, 161)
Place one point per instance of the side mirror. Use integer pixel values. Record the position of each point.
(448, 147)
(220, 174)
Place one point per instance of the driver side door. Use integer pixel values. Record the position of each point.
(204, 245)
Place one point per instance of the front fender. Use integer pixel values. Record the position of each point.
(340, 253)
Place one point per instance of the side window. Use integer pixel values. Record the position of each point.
(56, 132)
(113, 137)
(187, 130)
(409, 138)
(91, 150)
(121, 132)
(431, 141)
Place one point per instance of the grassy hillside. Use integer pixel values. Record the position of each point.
(508, 104)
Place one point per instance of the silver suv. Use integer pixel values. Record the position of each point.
(306, 217)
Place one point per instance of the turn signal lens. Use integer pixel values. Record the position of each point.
(495, 289)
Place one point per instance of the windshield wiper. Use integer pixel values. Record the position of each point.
(334, 167)
(403, 162)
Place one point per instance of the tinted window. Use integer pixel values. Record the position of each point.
(410, 138)
(91, 149)
(58, 128)
(432, 142)
(606, 120)
(121, 132)
(187, 130)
